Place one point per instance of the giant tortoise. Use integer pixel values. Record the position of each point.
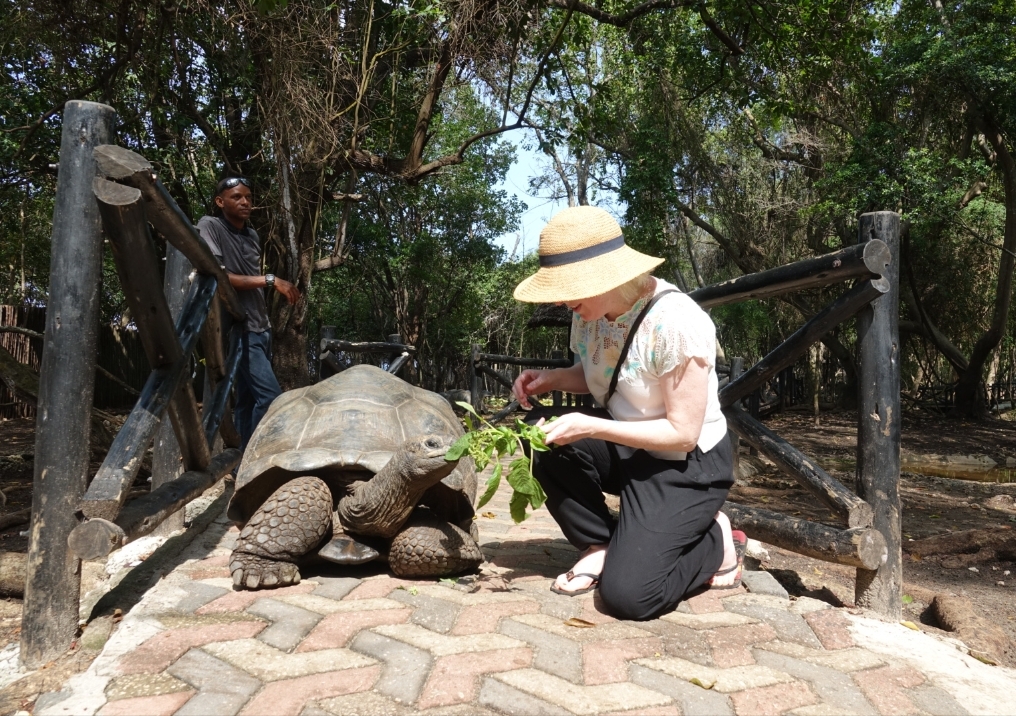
(353, 469)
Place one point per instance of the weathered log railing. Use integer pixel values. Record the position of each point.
(479, 368)
(396, 353)
(105, 189)
(872, 541)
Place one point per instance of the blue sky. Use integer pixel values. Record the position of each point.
(528, 163)
(531, 163)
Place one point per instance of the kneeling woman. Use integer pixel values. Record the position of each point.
(647, 354)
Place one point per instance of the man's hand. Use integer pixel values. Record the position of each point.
(287, 289)
(531, 382)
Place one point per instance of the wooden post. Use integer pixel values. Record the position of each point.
(736, 368)
(67, 378)
(878, 422)
(167, 460)
(475, 381)
(217, 399)
(557, 355)
(324, 369)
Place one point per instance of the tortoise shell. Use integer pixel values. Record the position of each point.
(346, 428)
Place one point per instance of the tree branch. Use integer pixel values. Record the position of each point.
(910, 298)
(729, 246)
(718, 31)
(623, 19)
(366, 161)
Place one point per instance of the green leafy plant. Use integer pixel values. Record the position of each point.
(484, 442)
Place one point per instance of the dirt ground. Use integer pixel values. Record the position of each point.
(931, 507)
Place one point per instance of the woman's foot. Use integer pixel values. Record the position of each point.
(591, 562)
(728, 574)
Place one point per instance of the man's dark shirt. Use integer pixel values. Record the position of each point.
(240, 253)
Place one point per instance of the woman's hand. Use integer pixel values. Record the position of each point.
(531, 382)
(571, 427)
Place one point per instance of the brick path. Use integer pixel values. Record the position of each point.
(502, 643)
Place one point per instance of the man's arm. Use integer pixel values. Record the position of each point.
(249, 283)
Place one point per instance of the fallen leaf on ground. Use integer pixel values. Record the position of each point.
(489, 515)
(579, 623)
(704, 684)
(911, 625)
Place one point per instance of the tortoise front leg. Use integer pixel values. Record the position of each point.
(292, 522)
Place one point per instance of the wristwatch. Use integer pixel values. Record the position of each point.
(270, 280)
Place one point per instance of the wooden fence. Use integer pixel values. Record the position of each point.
(103, 189)
(122, 367)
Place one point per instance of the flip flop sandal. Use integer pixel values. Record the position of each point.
(740, 547)
(574, 593)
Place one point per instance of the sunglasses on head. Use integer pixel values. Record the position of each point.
(230, 182)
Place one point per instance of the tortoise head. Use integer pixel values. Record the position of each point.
(423, 458)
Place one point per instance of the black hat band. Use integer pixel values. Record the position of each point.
(590, 252)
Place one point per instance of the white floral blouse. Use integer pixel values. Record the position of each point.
(674, 331)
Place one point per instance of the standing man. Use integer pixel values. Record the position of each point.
(238, 250)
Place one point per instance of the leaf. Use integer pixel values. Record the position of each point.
(578, 623)
(517, 507)
(458, 448)
(466, 406)
(911, 625)
(450, 582)
(704, 684)
(907, 599)
(414, 591)
(492, 484)
(489, 515)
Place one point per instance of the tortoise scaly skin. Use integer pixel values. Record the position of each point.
(353, 469)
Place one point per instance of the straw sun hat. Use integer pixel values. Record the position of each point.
(582, 254)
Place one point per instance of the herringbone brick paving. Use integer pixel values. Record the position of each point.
(502, 643)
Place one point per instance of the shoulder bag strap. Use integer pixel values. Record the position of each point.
(627, 342)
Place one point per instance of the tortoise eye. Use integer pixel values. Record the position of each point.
(433, 443)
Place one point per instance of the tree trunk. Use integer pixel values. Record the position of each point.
(970, 401)
(289, 337)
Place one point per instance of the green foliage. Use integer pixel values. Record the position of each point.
(486, 444)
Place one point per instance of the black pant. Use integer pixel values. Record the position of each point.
(666, 542)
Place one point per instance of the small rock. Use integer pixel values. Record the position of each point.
(755, 549)
(1001, 503)
(763, 583)
(973, 569)
(999, 584)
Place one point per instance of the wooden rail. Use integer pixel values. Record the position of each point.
(398, 353)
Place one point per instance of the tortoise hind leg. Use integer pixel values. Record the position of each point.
(429, 547)
(291, 522)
